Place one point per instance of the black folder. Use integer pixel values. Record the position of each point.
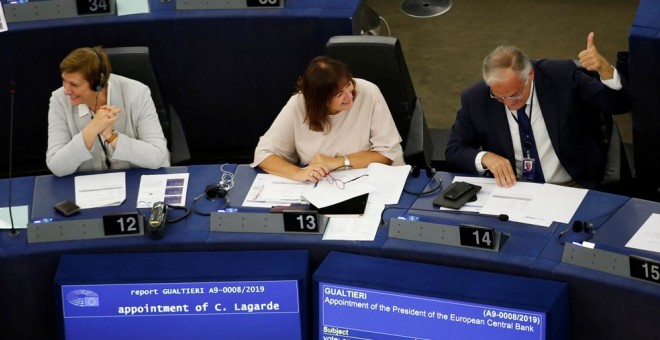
(351, 206)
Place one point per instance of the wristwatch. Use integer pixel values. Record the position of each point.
(347, 163)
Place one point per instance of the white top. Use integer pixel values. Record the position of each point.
(140, 143)
(367, 126)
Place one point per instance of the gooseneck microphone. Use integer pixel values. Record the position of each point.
(12, 92)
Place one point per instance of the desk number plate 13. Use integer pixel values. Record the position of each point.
(644, 269)
(86, 7)
(301, 221)
(477, 236)
(121, 224)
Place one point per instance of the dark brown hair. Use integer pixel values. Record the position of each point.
(323, 79)
(87, 61)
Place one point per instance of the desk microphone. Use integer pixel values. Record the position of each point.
(12, 92)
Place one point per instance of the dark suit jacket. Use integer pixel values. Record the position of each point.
(570, 101)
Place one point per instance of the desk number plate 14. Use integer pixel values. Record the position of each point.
(477, 236)
(644, 269)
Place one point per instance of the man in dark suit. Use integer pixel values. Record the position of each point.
(541, 114)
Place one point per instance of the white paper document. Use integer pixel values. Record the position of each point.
(514, 202)
(270, 190)
(363, 228)
(3, 21)
(18, 213)
(384, 184)
(103, 190)
(648, 235)
(339, 186)
(127, 7)
(168, 188)
(555, 202)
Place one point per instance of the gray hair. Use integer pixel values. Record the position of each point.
(502, 58)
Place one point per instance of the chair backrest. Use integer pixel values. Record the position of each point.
(379, 60)
(617, 171)
(135, 62)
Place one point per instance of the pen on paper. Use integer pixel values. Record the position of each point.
(261, 189)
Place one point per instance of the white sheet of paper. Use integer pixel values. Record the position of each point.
(555, 203)
(325, 193)
(168, 188)
(513, 202)
(3, 21)
(270, 190)
(387, 181)
(126, 7)
(487, 185)
(19, 215)
(648, 235)
(363, 228)
(103, 190)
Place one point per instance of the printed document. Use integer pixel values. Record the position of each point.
(269, 190)
(168, 188)
(103, 190)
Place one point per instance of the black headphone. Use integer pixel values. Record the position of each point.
(216, 190)
(578, 227)
(98, 85)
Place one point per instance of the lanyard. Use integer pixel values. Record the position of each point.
(528, 143)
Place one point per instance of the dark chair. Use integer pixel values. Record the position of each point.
(617, 171)
(135, 63)
(380, 60)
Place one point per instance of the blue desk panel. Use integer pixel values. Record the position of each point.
(602, 304)
(609, 298)
(518, 255)
(27, 270)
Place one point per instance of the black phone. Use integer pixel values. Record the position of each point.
(457, 190)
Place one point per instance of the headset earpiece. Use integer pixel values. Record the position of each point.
(215, 190)
(98, 86)
(578, 227)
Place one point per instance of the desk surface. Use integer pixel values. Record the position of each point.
(27, 270)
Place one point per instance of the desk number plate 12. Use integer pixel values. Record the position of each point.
(477, 236)
(121, 224)
(86, 7)
(644, 269)
(301, 221)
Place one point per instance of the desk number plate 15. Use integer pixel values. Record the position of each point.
(644, 269)
(121, 224)
(301, 221)
(86, 7)
(477, 236)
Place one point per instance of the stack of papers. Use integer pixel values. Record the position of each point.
(525, 202)
(383, 183)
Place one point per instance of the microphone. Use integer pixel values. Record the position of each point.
(12, 92)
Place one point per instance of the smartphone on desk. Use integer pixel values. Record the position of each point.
(457, 190)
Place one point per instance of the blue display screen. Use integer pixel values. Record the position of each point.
(357, 313)
(196, 310)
